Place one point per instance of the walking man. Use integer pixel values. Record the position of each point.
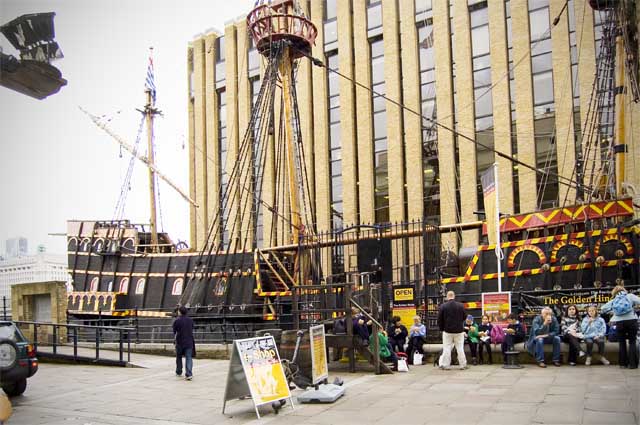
(451, 317)
(185, 344)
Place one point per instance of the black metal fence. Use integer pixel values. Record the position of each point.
(68, 342)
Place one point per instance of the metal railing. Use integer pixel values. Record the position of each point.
(65, 336)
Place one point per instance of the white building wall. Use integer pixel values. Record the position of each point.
(42, 267)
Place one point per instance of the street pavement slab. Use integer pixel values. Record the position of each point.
(152, 395)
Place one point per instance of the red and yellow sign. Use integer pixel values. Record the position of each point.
(496, 305)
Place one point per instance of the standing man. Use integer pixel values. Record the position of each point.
(185, 344)
(451, 317)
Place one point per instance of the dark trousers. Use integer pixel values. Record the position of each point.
(393, 357)
(473, 347)
(415, 344)
(485, 344)
(627, 330)
(599, 342)
(187, 353)
(508, 343)
(397, 345)
(574, 347)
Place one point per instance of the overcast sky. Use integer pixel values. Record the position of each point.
(55, 163)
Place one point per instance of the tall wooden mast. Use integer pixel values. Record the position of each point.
(282, 33)
(149, 112)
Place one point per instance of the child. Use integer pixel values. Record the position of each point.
(593, 329)
(384, 350)
(417, 337)
(397, 334)
(484, 334)
(513, 334)
(472, 338)
(570, 327)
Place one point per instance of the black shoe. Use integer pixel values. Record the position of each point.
(490, 360)
(474, 361)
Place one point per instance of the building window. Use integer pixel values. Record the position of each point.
(335, 144)
(430, 168)
(381, 175)
(541, 61)
(124, 285)
(177, 286)
(93, 286)
(221, 67)
(140, 286)
(374, 18)
(222, 161)
(255, 86)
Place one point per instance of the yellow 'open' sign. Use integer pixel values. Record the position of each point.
(403, 294)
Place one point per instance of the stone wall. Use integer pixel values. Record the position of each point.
(23, 308)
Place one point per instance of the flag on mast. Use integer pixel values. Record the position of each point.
(489, 186)
(150, 83)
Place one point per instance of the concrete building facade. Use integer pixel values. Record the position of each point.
(511, 75)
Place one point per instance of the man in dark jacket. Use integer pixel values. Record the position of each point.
(451, 317)
(185, 344)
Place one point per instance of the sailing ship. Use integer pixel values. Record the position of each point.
(122, 270)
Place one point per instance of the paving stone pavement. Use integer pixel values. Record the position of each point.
(95, 395)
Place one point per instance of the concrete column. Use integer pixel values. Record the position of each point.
(200, 136)
(501, 102)
(412, 122)
(244, 115)
(231, 62)
(444, 103)
(193, 211)
(307, 110)
(524, 106)
(212, 151)
(466, 119)
(563, 96)
(321, 139)
(363, 116)
(347, 113)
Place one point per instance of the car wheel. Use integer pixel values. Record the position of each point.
(8, 354)
(15, 388)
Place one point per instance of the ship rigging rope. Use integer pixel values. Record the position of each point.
(118, 212)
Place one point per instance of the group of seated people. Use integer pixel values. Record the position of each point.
(573, 329)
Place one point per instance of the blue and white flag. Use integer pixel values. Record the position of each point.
(150, 83)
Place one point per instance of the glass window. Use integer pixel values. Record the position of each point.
(330, 32)
(330, 9)
(539, 24)
(543, 88)
(482, 62)
(335, 135)
(484, 103)
(480, 37)
(479, 16)
(541, 63)
(429, 108)
(422, 5)
(220, 54)
(374, 16)
(380, 125)
(482, 77)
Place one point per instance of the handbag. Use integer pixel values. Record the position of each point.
(417, 358)
(402, 365)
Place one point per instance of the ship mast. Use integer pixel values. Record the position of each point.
(619, 148)
(149, 112)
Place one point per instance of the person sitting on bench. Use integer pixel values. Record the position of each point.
(484, 332)
(472, 338)
(397, 334)
(384, 349)
(570, 326)
(417, 337)
(360, 325)
(513, 334)
(544, 330)
(593, 329)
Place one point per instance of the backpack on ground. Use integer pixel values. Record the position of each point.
(621, 304)
(497, 334)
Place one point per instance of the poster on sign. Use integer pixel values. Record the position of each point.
(404, 304)
(496, 305)
(255, 370)
(319, 367)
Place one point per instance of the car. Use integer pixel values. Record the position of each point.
(17, 359)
